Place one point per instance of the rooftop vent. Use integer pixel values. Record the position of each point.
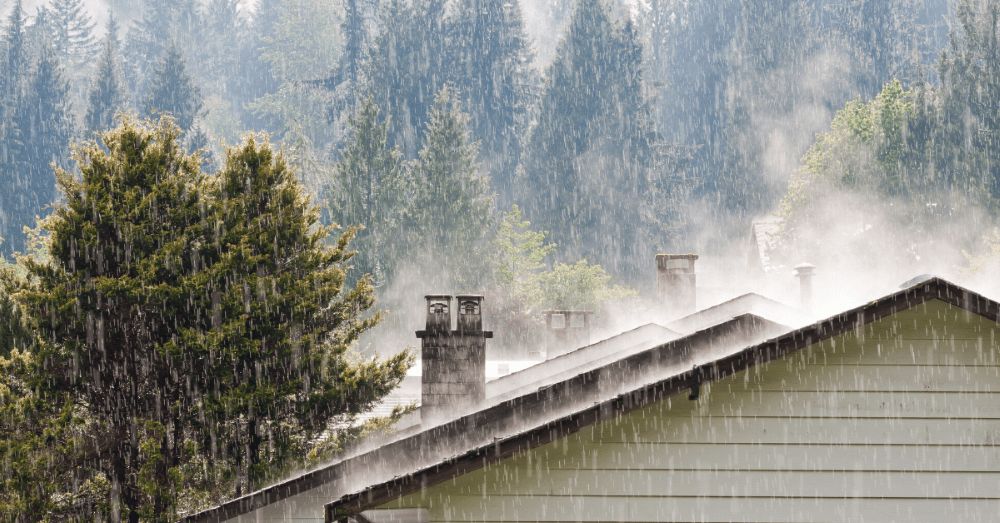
(804, 272)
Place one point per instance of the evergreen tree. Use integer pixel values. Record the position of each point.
(252, 77)
(73, 33)
(173, 90)
(407, 67)
(46, 127)
(882, 37)
(492, 61)
(281, 379)
(355, 34)
(450, 213)
(369, 189)
(969, 107)
(774, 42)
(198, 325)
(588, 160)
(107, 93)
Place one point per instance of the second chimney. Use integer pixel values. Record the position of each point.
(675, 283)
(453, 376)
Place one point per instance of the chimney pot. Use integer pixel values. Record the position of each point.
(566, 331)
(675, 283)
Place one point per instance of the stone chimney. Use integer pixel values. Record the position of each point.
(804, 272)
(566, 331)
(675, 283)
(454, 361)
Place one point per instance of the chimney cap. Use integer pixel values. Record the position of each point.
(676, 256)
(437, 297)
(467, 296)
(804, 269)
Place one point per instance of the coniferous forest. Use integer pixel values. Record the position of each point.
(209, 207)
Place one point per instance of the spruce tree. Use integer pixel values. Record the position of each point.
(107, 93)
(282, 321)
(73, 36)
(46, 127)
(588, 159)
(492, 62)
(173, 90)
(407, 67)
(450, 213)
(369, 188)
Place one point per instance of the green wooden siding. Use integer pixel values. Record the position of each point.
(898, 421)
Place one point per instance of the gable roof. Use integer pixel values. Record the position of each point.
(750, 303)
(513, 426)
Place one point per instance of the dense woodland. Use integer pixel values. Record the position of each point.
(203, 200)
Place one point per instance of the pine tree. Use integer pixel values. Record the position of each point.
(969, 102)
(173, 90)
(107, 93)
(369, 189)
(252, 77)
(882, 37)
(588, 158)
(281, 379)
(492, 61)
(73, 36)
(407, 67)
(46, 127)
(450, 213)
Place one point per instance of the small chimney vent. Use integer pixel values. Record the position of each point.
(804, 272)
(566, 331)
(675, 283)
(453, 362)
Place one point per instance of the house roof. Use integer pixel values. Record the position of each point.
(510, 427)
(750, 303)
(671, 385)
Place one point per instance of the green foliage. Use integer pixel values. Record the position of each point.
(407, 67)
(107, 93)
(450, 213)
(173, 90)
(519, 254)
(369, 190)
(492, 70)
(988, 262)
(199, 326)
(592, 156)
(579, 286)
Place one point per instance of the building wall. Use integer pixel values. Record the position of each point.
(898, 421)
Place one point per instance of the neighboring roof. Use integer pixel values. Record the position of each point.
(763, 233)
(751, 303)
(590, 385)
(416, 448)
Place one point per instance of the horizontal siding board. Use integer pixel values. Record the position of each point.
(721, 400)
(721, 483)
(769, 509)
(688, 456)
(780, 376)
(878, 431)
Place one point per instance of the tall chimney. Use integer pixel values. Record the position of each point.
(566, 331)
(804, 272)
(454, 361)
(675, 283)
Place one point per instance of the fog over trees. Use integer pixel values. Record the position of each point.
(185, 184)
